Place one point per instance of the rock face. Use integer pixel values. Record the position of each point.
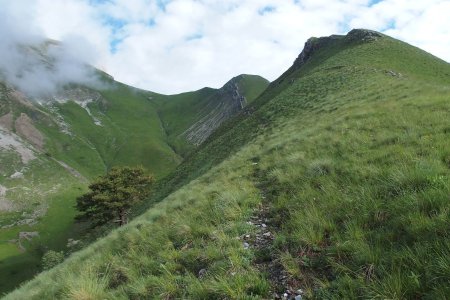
(313, 43)
(9, 141)
(25, 128)
(6, 121)
(363, 35)
(82, 96)
(228, 102)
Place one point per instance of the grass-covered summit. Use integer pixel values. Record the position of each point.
(334, 181)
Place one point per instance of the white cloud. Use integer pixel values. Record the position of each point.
(180, 45)
(23, 64)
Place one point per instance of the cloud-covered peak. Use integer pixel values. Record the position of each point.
(37, 65)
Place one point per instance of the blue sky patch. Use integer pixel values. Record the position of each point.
(96, 2)
(162, 4)
(151, 23)
(389, 25)
(266, 9)
(114, 44)
(195, 36)
(114, 23)
(373, 2)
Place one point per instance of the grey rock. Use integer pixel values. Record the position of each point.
(72, 242)
(311, 46)
(313, 43)
(201, 273)
(229, 102)
(299, 292)
(28, 235)
(364, 35)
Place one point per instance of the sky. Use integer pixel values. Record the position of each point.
(173, 46)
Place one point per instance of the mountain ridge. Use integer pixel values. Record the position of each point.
(324, 183)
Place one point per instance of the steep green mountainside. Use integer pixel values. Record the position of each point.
(49, 152)
(51, 147)
(188, 121)
(121, 128)
(336, 181)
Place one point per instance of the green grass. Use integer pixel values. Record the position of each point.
(252, 86)
(131, 134)
(54, 228)
(353, 164)
(179, 112)
(131, 128)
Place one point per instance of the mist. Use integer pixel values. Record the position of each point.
(40, 67)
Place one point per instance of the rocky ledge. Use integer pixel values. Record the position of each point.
(314, 43)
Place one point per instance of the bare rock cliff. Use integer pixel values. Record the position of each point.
(228, 101)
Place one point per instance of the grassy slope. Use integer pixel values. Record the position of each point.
(131, 135)
(252, 86)
(45, 186)
(54, 228)
(192, 106)
(353, 164)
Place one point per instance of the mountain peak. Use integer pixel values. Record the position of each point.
(364, 35)
(314, 43)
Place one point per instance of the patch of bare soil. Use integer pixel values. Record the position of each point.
(6, 121)
(10, 141)
(25, 128)
(21, 98)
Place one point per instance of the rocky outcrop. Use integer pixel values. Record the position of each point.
(82, 96)
(313, 43)
(228, 101)
(9, 141)
(26, 129)
(363, 35)
(6, 121)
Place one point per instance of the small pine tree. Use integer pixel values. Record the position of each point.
(111, 196)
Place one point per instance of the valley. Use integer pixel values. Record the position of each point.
(50, 148)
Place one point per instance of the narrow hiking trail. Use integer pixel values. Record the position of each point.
(268, 260)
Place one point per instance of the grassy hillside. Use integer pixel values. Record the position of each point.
(42, 203)
(119, 127)
(345, 159)
(129, 133)
(83, 134)
(179, 112)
